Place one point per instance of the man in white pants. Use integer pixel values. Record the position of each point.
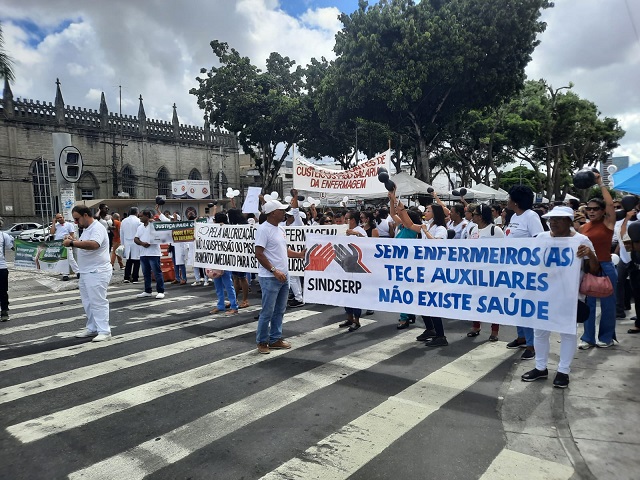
(128, 228)
(60, 229)
(95, 273)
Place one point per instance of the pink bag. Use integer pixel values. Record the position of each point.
(596, 286)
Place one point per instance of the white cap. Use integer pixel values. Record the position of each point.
(273, 205)
(559, 211)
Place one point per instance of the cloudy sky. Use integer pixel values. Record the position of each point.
(155, 48)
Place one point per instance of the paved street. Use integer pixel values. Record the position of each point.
(181, 393)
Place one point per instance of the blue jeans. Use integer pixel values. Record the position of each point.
(225, 283)
(152, 264)
(527, 334)
(180, 272)
(274, 303)
(607, 331)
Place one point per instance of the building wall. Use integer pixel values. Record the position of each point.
(148, 145)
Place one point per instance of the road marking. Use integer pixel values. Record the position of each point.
(341, 454)
(53, 423)
(508, 461)
(88, 346)
(51, 382)
(16, 301)
(175, 445)
(62, 297)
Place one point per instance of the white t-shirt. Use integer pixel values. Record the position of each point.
(6, 242)
(437, 231)
(383, 228)
(90, 261)
(457, 228)
(497, 221)
(61, 230)
(486, 232)
(522, 226)
(470, 231)
(625, 257)
(144, 235)
(274, 241)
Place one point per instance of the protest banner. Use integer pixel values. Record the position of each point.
(46, 256)
(191, 189)
(526, 282)
(172, 232)
(232, 247)
(361, 179)
(252, 202)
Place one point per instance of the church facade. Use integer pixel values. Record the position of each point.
(124, 156)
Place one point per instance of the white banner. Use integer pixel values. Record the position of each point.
(191, 189)
(232, 247)
(361, 179)
(526, 282)
(172, 232)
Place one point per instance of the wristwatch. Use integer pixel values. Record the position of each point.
(273, 269)
(71, 244)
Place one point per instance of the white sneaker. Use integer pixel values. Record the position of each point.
(600, 344)
(86, 334)
(144, 294)
(585, 345)
(206, 284)
(195, 284)
(160, 296)
(102, 337)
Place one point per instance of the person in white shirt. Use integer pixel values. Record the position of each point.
(560, 220)
(272, 254)
(6, 242)
(623, 265)
(524, 223)
(128, 228)
(95, 273)
(149, 257)
(61, 229)
(294, 282)
(496, 213)
(457, 223)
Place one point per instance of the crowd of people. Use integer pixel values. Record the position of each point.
(603, 226)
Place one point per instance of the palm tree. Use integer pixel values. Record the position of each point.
(6, 62)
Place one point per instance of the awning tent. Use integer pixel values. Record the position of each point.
(496, 194)
(628, 179)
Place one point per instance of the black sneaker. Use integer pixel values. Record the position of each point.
(516, 344)
(528, 355)
(4, 316)
(561, 380)
(65, 278)
(437, 342)
(535, 374)
(426, 335)
(295, 303)
(369, 312)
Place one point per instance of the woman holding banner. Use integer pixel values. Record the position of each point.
(483, 217)
(560, 221)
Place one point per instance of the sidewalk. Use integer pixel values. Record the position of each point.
(590, 430)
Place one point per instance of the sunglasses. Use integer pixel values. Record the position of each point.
(592, 209)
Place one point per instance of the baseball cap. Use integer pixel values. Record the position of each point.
(272, 206)
(560, 211)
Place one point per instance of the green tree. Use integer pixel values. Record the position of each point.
(6, 62)
(416, 66)
(522, 175)
(265, 109)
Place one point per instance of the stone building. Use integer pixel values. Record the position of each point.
(124, 156)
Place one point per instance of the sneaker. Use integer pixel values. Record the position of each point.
(144, 294)
(263, 348)
(585, 345)
(426, 335)
(561, 380)
(65, 278)
(528, 354)
(369, 312)
(295, 303)
(206, 283)
(126, 281)
(535, 374)
(196, 284)
(134, 281)
(102, 337)
(279, 345)
(86, 334)
(4, 316)
(600, 344)
(436, 342)
(160, 296)
(516, 344)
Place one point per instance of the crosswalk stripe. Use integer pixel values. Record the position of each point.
(43, 384)
(63, 297)
(140, 304)
(341, 454)
(175, 445)
(50, 424)
(27, 360)
(508, 461)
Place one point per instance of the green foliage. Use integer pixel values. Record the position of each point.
(265, 109)
(6, 62)
(521, 175)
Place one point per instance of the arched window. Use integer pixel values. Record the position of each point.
(88, 186)
(164, 183)
(129, 181)
(195, 174)
(41, 175)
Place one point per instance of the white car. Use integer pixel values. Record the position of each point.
(18, 229)
(40, 234)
